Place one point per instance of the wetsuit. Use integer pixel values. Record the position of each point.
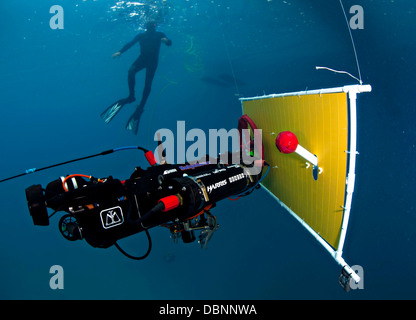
(150, 42)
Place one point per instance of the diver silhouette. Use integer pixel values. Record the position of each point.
(150, 42)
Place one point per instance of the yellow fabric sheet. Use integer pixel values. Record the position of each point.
(320, 122)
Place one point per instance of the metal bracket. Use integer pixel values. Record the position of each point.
(344, 279)
(209, 230)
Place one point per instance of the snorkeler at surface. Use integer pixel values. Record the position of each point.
(150, 42)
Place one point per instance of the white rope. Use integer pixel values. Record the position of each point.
(337, 71)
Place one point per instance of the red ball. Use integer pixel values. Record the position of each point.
(286, 142)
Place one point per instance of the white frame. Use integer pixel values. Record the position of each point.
(352, 92)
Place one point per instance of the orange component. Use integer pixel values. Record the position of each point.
(170, 202)
(201, 212)
(150, 157)
(71, 176)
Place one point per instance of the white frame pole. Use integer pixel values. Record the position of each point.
(357, 88)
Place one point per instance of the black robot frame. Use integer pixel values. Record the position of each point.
(178, 197)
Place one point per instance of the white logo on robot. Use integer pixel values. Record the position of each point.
(111, 217)
(216, 185)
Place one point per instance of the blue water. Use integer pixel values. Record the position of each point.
(55, 83)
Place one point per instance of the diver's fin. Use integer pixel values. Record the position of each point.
(133, 123)
(112, 110)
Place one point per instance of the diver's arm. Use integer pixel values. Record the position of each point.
(127, 46)
(166, 41)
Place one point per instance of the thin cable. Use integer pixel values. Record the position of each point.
(353, 44)
(129, 148)
(28, 171)
(133, 257)
(226, 50)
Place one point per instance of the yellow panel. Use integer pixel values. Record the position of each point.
(320, 123)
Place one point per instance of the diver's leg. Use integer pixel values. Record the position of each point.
(113, 109)
(133, 123)
(150, 74)
(131, 78)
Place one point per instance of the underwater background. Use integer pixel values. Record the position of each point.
(55, 83)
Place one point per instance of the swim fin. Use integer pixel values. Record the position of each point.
(112, 110)
(133, 123)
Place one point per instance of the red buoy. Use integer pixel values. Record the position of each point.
(286, 142)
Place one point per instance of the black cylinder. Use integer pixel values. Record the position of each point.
(222, 183)
(37, 207)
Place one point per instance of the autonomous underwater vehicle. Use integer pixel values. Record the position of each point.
(180, 197)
